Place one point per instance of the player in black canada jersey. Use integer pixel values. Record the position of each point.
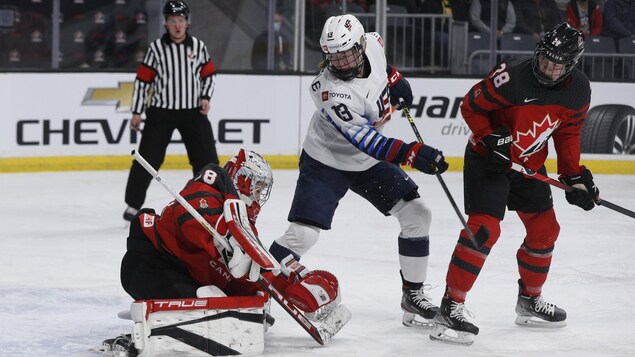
(512, 114)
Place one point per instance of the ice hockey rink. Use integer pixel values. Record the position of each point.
(62, 239)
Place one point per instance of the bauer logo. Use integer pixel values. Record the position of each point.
(120, 97)
(325, 96)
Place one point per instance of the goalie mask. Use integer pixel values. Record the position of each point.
(343, 44)
(252, 177)
(556, 54)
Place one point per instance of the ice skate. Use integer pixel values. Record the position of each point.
(120, 346)
(451, 326)
(130, 213)
(534, 311)
(418, 311)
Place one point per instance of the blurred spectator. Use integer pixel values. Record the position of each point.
(281, 49)
(534, 17)
(458, 9)
(409, 5)
(619, 18)
(480, 16)
(586, 16)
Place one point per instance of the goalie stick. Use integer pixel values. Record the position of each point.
(538, 176)
(482, 234)
(256, 252)
(329, 326)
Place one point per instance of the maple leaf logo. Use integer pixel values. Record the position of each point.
(244, 185)
(535, 138)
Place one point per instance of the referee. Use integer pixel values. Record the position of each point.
(179, 72)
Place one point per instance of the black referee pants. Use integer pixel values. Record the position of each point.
(196, 133)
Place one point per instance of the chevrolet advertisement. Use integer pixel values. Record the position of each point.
(87, 114)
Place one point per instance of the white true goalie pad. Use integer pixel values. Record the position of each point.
(219, 326)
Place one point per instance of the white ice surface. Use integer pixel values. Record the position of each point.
(62, 238)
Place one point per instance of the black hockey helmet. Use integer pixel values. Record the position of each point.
(176, 8)
(563, 45)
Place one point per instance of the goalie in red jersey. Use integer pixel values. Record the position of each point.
(512, 114)
(172, 256)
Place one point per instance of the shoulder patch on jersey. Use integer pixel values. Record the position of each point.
(377, 37)
(203, 203)
(148, 220)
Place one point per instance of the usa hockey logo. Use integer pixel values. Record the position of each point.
(348, 25)
(535, 138)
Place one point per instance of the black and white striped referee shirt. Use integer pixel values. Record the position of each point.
(179, 75)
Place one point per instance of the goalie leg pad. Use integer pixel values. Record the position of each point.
(220, 326)
(315, 290)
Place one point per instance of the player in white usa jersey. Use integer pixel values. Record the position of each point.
(344, 149)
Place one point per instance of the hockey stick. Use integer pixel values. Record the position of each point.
(331, 325)
(142, 161)
(538, 176)
(482, 235)
(249, 242)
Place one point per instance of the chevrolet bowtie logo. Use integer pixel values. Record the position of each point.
(120, 97)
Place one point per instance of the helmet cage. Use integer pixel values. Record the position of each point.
(252, 176)
(561, 46)
(348, 64)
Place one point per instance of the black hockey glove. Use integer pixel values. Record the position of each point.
(399, 87)
(584, 193)
(425, 159)
(498, 144)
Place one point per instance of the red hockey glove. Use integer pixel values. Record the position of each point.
(399, 87)
(584, 193)
(425, 159)
(499, 145)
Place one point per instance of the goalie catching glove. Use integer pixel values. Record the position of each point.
(315, 292)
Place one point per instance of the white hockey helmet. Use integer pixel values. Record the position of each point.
(252, 176)
(343, 44)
